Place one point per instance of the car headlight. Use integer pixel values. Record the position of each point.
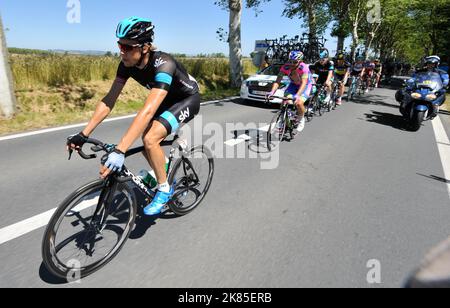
(431, 97)
(416, 95)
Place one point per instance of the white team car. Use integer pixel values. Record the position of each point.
(257, 86)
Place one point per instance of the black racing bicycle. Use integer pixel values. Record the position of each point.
(91, 225)
(283, 123)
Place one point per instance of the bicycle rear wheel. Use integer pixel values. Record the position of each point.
(88, 229)
(191, 177)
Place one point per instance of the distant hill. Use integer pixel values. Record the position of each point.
(80, 52)
(14, 50)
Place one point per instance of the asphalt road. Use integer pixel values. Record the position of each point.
(354, 186)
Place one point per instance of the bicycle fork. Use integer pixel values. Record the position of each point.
(101, 211)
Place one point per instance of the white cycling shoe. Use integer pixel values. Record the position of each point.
(301, 125)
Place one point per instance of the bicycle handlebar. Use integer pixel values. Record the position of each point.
(98, 146)
(283, 98)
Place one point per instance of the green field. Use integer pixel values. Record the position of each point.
(56, 89)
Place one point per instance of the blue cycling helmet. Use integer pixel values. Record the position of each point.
(137, 29)
(323, 54)
(296, 55)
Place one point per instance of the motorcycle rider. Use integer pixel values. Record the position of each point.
(431, 64)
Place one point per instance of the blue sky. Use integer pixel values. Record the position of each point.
(182, 26)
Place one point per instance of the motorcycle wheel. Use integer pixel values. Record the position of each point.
(417, 120)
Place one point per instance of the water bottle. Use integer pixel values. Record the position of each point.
(149, 176)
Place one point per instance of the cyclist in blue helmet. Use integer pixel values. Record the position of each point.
(173, 99)
(300, 86)
(325, 69)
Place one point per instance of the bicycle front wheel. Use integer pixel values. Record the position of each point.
(277, 130)
(191, 177)
(88, 229)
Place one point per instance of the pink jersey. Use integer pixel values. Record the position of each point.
(303, 72)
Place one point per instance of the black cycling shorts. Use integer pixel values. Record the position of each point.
(339, 77)
(172, 116)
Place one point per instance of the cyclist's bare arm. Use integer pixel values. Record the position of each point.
(143, 118)
(276, 85)
(105, 107)
(330, 75)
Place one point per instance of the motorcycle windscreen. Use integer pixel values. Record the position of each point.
(430, 80)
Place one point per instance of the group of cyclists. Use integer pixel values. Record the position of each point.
(304, 78)
(174, 97)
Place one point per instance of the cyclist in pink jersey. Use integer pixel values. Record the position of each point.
(300, 86)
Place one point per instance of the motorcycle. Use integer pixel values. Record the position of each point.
(421, 99)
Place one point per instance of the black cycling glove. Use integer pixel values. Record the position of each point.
(78, 140)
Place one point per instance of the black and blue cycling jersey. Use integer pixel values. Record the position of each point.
(162, 71)
(322, 70)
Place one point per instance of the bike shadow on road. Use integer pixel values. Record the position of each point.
(434, 177)
(143, 222)
(388, 119)
(445, 112)
(49, 278)
(374, 100)
(256, 104)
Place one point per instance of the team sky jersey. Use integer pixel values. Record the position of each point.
(341, 69)
(302, 73)
(162, 72)
(323, 70)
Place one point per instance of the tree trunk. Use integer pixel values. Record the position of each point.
(343, 16)
(235, 43)
(7, 98)
(340, 43)
(355, 19)
(368, 44)
(355, 39)
(312, 22)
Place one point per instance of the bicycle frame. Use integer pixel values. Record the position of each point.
(126, 175)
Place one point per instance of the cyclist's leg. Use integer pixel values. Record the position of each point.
(167, 121)
(340, 80)
(321, 81)
(303, 99)
(291, 91)
(378, 79)
(301, 107)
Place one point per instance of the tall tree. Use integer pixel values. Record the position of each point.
(357, 11)
(314, 13)
(7, 97)
(234, 35)
(341, 27)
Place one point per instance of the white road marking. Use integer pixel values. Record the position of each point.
(49, 130)
(443, 145)
(29, 225)
(233, 142)
(244, 137)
